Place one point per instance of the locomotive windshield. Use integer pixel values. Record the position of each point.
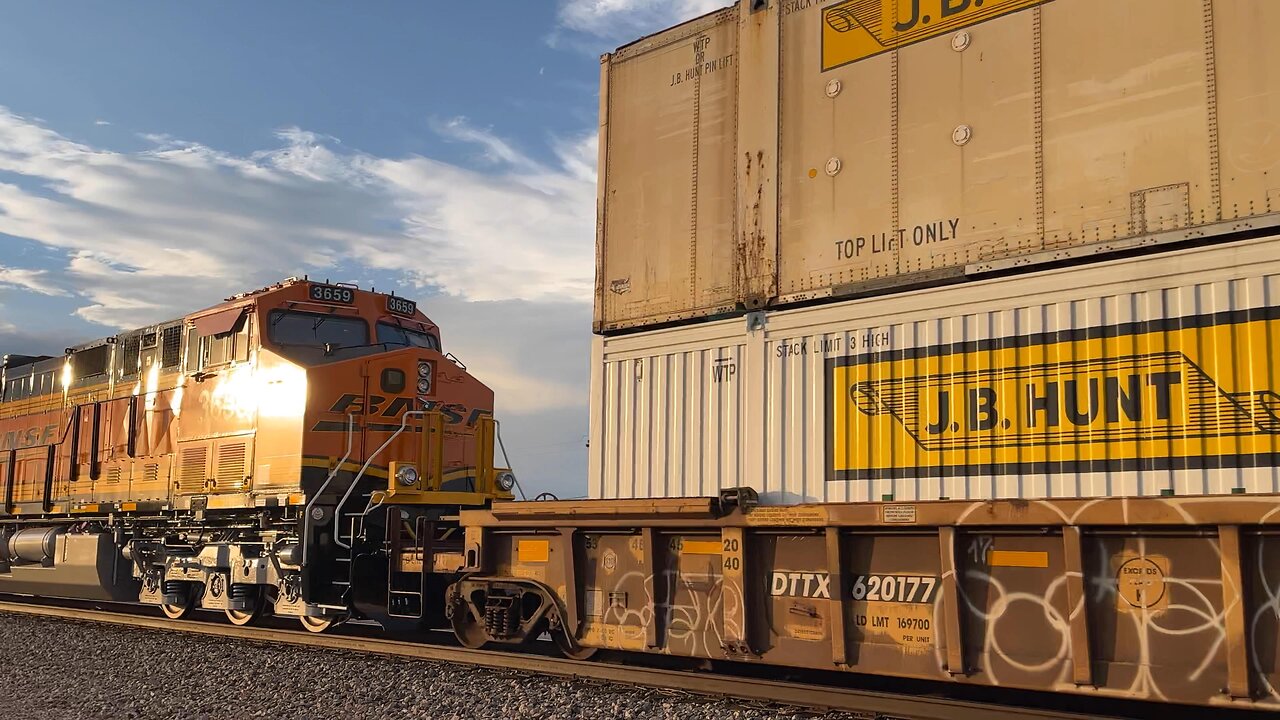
(389, 334)
(298, 335)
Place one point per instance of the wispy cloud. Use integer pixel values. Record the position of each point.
(33, 280)
(183, 219)
(101, 122)
(621, 20)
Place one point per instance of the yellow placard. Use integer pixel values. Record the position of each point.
(533, 551)
(1196, 392)
(859, 29)
(700, 547)
(1018, 559)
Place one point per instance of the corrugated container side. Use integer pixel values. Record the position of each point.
(876, 150)
(1138, 377)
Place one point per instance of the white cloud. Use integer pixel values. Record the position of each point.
(628, 19)
(101, 122)
(33, 280)
(183, 220)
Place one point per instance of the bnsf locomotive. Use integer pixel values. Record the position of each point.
(243, 459)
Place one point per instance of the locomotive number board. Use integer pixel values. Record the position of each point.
(400, 306)
(333, 294)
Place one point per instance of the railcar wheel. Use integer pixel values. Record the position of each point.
(570, 649)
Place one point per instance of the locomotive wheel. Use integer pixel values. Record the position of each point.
(180, 610)
(250, 616)
(321, 624)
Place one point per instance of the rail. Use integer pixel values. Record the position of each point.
(871, 704)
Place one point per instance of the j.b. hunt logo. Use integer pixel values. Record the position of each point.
(858, 29)
(1152, 397)
(1194, 392)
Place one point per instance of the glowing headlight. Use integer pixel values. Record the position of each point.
(424, 387)
(407, 476)
(506, 481)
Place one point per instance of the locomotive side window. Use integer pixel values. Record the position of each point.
(225, 347)
(389, 334)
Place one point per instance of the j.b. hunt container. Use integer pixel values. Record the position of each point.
(1146, 376)
(779, 152)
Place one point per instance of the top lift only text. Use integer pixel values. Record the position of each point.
(919, 236)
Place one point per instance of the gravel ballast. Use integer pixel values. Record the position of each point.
(60, 669)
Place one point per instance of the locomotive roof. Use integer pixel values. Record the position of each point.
(18, 360)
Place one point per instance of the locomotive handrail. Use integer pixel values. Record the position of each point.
(337, 513)
(306, 520)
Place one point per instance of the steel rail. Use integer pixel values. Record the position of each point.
(866, 703)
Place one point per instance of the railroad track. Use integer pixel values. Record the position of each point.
(821, 698)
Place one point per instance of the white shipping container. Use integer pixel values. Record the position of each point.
(1136, 377)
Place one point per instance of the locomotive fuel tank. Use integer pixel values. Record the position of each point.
(52, 561)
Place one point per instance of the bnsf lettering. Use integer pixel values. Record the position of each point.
(801, 584)
(28, 438)
(454, 413)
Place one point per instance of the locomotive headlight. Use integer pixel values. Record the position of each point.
(426, 378)
(506, 481)
(407, 476)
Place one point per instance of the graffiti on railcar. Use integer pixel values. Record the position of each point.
(1155, 605)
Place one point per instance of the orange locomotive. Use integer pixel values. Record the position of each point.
(232, 459)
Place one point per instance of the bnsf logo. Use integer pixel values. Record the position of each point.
(379, 406)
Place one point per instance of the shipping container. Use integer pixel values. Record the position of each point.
(820, 150)
(1146, 376)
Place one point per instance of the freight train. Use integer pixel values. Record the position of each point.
(934, 340)
(226, 459)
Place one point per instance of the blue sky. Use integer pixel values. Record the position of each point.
(157, 159)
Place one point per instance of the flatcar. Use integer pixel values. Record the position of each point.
(226, 459)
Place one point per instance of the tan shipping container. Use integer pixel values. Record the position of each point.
(829, 149)
(1136, 377)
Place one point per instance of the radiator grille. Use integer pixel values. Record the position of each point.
(113, 475)
(191, 469)
(151, 473)
(231, 474)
